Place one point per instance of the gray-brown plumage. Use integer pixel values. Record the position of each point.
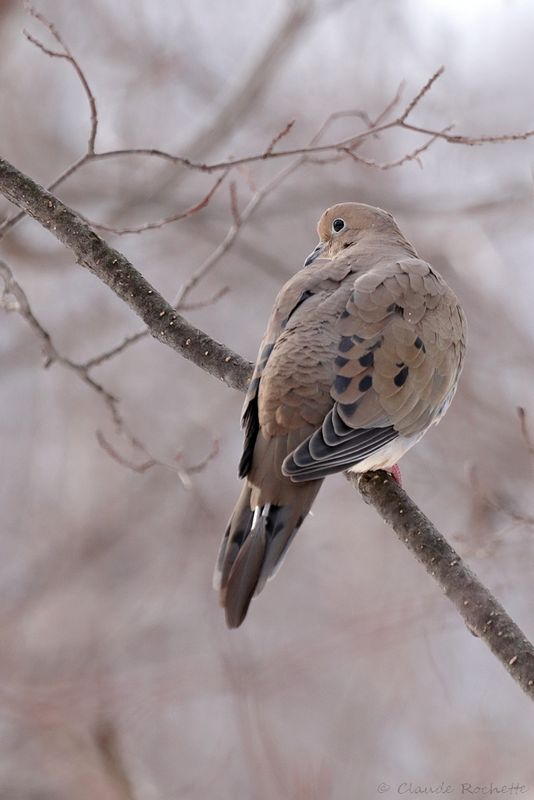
(361, 355)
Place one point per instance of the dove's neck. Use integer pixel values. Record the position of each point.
(378, 245)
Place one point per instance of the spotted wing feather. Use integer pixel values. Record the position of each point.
(401, 345)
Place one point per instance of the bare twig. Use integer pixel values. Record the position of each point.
(177, 467)
(67, 55)
(481, 612)
(101, 358)
(279, 136)
(381, 165)
(234, 204)
(194, 469)
(421, 93)
(18, 301)
(209, 301)
(160, 223)
(141, 467)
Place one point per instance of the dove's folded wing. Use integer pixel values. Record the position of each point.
(400, 351)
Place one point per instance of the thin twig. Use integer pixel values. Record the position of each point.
(234, 204)
(160, 223)
(380, 165)
(66, 54)
(209, 301)
(419, 96)
(279, 136)
(50, 353)
(183, 472)
(124, 462)
(194, 469)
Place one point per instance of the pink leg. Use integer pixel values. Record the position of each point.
(395, 473)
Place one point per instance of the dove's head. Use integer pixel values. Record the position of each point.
(345, 224)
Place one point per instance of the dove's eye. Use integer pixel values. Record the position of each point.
(338, 225)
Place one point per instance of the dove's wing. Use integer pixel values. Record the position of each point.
(291, 302)
(400, 352)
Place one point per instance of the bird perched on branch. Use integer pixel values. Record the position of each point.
(361, 356)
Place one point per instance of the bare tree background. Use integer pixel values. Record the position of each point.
(117, 677)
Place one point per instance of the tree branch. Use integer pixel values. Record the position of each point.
(482, 613)
(120, 275)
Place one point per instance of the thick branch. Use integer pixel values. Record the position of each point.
(119, 274)
(482, 613)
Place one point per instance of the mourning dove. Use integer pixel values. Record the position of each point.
(361, 356)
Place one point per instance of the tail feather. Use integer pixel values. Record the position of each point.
(254, 545)
(281, 525)
(235, 534)
(244, 576)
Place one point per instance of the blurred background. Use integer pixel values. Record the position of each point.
(118, 678)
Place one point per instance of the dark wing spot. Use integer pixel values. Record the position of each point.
(394, 309)
(344, 314)
(365, 383)
(400, 377)
(341, 383)
(304, 296)
(346, 344)
(341, 361)
(349, 408)
(419, 344)
(368, 359)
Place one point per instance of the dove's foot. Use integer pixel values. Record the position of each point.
(395, 473)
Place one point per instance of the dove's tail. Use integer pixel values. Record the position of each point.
(254, 545)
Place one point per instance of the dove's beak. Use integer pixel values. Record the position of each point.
(315, 253)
